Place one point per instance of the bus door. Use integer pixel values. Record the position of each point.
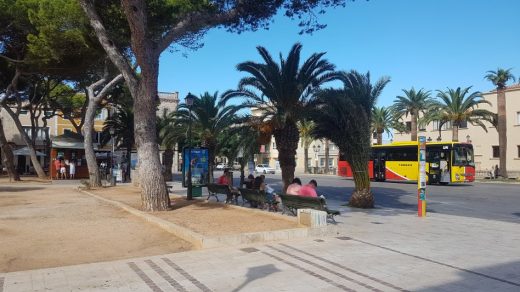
(445, 165)
(380, 165)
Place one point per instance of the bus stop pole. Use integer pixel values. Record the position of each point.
(421, 181)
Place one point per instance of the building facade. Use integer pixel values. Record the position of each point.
(485, 144)
(57, 126)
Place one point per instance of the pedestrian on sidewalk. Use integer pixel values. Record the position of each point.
(497, 171)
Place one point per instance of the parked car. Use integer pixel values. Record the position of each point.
(264, 168)
(220, 166)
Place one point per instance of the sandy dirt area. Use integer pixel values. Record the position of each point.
(203, 217)
(44, 225)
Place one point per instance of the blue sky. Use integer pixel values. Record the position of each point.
(431, 44)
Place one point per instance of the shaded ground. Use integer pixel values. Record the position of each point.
(43, 225)
(207, 218)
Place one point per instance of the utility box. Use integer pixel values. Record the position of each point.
(312, 218)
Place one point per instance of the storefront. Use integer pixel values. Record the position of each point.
(70, 149)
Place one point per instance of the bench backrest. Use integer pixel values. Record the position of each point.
(253, 195)
(218, 189)
(300, 202)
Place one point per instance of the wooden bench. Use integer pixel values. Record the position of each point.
(292, 203)
(256, 198)
(215, 189)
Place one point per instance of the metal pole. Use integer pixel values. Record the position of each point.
(190, 187)
(113, 160)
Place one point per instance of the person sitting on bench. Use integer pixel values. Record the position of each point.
(309, 190)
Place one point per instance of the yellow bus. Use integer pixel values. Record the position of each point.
(446, 162)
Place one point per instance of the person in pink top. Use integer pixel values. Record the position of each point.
(294, 187)
(309, 190)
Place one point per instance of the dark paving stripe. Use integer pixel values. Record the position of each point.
(347, 269)
(165, 276)
(325, 279)
(2, 284)
(326, 269)
(186, 275)
(144, 277)
(442, 264)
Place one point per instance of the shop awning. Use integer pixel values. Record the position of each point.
(24, 151)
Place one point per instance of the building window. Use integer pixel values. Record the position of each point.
(496, 152)
(518, 150)
(463, 124)
(422, 127)
(518, 118)
(322, 162)
(331, 162)
(445, 126)
(24, 112)
(274, 145)
(101, 115)
(374, 135)
(408, 126)
(41, 133)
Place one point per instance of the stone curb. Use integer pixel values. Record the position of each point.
(202, 242)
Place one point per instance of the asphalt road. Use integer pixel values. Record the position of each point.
(481, 200)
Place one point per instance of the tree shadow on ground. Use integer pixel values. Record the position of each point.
(18, 189)
(501, 277)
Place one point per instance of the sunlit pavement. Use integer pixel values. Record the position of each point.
(383, 249)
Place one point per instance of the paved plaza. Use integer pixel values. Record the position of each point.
(384, 249)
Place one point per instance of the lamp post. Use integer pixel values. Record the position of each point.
(112, 177)
(316, 149)
(190, 98)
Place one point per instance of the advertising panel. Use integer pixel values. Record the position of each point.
(198, 158)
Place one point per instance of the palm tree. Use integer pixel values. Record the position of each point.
(343, 116)
(306, 128)
(413, 102)
(499, 78)
(382, 120)
(122, 122)
(168, 135)
(210, 118)
(458, 106)
(283, 92)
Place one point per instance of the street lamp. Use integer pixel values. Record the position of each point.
(316, 149)
(190, 98)
(112, 177)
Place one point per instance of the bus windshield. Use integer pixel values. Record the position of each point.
(463, 155)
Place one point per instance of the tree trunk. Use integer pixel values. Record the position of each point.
(362, 196)
(502, 131)
(379, 138)
(286, 140)
(326, 156)
(128, 164)
(32, 152)
(90, 155)
(306, 158)
(154, 194)
(414, 126)
(8, 158)
(168, 162)
(242, 175)
(455, 133)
